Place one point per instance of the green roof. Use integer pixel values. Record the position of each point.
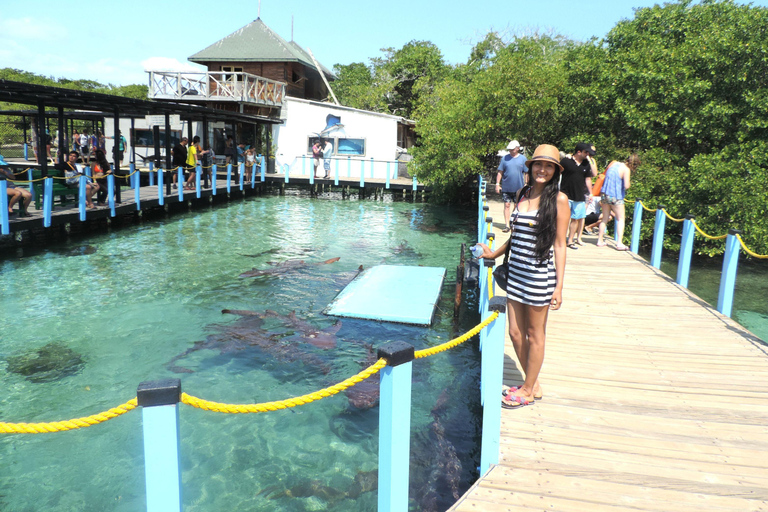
(255, 42)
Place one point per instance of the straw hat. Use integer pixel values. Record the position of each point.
(546, 153)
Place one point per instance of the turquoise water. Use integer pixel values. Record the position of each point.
(122, 305)
(750, 306)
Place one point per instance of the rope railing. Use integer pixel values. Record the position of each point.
(207, 405)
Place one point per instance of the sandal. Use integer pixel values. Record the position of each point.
(514, 402)
(505, 230)
(601, 244)
(505, 392)
(622, 248)
(572, 246)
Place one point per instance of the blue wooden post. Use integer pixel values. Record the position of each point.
(263, 168)
(371, 167)
(81, 196)
(151, 174)
(214, 170)
(362, 172)
(493, 366)
(637, 223)
(229, 178)
(253, 177)
(312, 177)
(395, 426)
(387, 182)
(47, 201)
(26, 151)
(111, 193)
(415, 184)
(686, 250)
(658, 237)
(160, 424)
(136, 186)
(349, 166)
(336, 173)
(6, 228)
(287, 170)
(160, 195)
(180, 173)
(135, 178)
(198, 174)
(728, 277)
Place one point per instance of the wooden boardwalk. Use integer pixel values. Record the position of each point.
(652, 401)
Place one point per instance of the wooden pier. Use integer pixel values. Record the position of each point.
(652, 401)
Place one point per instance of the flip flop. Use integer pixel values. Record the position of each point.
(578, 242)
(622, 248)
(515, 401)
(505, 230)
(572, 246)
(505, 390)
(601, 244)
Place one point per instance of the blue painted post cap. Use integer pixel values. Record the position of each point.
(734, 232)
(498, 304)
(159, 392)
(660, 207)
(690, 216)
(396, 353)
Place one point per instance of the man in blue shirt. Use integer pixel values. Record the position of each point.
(510, 178)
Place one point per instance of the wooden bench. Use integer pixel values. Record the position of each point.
(59, 189)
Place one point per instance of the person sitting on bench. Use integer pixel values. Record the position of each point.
(72, 173)
(15, 194)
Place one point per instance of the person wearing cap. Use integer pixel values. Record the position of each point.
(573, 184)
(510, 177)
(535, 267)
(15, 194)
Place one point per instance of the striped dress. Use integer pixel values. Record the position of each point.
(530, 282)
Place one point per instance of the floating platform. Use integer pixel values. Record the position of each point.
(389, 293)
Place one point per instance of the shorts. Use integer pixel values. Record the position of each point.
(508, 197)
(578, 209)
(326, 165)
(604, 199)
(591, 218)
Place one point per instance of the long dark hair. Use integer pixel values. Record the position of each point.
(101, 159)
(546, 217)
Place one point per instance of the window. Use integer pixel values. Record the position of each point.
(231, 69)
(353, 147)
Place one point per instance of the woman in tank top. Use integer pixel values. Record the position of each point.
(612, 197)
(535, 283)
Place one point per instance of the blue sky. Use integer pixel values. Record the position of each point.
(114, 42)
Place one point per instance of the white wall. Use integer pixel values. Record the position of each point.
(140, 124)
(305, 119)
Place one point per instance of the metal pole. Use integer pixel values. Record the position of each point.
(658, 237)
(395, 426)
(493, 369)
(686, 250)
(637, 223)
(159, 401)
(728, 277)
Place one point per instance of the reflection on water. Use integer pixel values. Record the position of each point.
(146, 303)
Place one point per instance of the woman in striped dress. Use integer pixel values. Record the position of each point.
(536, 267)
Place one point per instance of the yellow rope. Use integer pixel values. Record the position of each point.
(457, 341)
(283, 404)
(706, 235)
(646, 208)
(671, 217)
(60, 426)
(746, 249)
(490, 283)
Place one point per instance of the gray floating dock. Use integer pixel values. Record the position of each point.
(391, 293)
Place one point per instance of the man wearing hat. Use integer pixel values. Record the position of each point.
(510, 178)
(576, 171)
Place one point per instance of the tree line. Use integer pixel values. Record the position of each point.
(683, 85)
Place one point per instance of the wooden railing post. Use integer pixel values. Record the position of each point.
(637, 224)
(180, 183)
(111, 194)
(214, 170)
(198, 175)
(728, 276)
(686, 251)
(159, 401)
(658, 237)
(492, 358)
(395, 426)
(6, 229)
(151, 174)
(48, 201)
(160, 191)
(229, 177)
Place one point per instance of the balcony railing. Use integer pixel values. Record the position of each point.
(216, 86)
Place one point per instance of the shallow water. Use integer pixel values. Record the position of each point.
(140, 296)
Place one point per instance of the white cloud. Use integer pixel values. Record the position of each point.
(33, 29)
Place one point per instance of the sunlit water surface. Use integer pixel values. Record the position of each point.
(123, 305)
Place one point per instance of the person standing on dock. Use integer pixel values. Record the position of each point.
(574, 186)
(179, 158)
(327, 152)
(536, 267)
(510, 178)
(317, 153)
(192, 160)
